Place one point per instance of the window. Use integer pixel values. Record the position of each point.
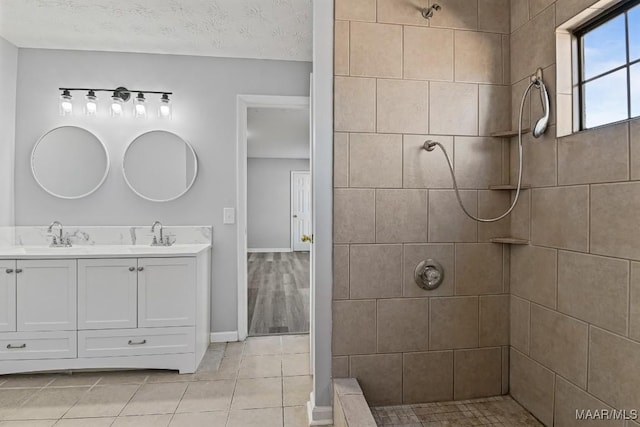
(609, 66)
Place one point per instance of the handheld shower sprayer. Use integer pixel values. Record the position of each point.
(539, 128)
(427, 12)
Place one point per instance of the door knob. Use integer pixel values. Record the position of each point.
(306, 238)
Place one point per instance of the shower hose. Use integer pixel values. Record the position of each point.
(429, 144)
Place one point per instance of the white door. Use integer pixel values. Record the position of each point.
(46, 296)
(7, 296)
(166, 292)
(300, 210)
(107, 293)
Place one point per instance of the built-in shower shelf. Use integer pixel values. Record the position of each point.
(510, 240)
(509, 133)
(508, 187)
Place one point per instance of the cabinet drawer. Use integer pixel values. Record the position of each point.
(135, 342)
(38, 345)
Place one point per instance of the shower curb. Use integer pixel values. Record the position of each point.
(350, 406)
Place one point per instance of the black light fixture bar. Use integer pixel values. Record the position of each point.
(115, 90)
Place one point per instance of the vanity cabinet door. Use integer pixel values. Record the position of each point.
(107, 293)
(166, 292)
(7, 296)
(46, 295)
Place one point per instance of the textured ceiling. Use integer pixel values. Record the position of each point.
(278, 133)
(266, 29)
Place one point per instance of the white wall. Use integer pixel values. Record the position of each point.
(269, 201)
(204, 114)
(8, 75)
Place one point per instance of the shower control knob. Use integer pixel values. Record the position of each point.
(429, 274)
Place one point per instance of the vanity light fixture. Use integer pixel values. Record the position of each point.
(119, 97)
(91, 106)
(66, 106)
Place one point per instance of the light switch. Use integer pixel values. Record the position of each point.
(229, 216)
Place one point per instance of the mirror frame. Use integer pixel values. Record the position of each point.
(136, 192)
(90, 192)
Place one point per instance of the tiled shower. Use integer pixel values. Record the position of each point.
(556, 322)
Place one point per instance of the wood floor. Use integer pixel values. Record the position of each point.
(278, 293)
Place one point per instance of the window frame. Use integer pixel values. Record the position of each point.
(621, 9)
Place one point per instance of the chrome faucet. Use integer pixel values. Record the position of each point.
(162, 241)
(58, 241)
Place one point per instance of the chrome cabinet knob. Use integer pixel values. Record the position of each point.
(140, 268)
(18, 270)
(9, 270)
(132, 269)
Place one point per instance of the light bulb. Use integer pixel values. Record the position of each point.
(140, 109)
(116, 105)
(165, 107)
(66, 106)
(91, 106)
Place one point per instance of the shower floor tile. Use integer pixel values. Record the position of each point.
(491, 411)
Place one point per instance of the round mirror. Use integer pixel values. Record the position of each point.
(160, 166)
(69, 162)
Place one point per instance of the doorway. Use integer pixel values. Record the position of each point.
(274, 215)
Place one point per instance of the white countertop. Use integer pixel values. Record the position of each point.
(101, 251)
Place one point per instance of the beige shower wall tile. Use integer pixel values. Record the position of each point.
(461, 14)
(517, 91)
(492, 204)
(354, 104)
(414, 254)
(478, 57)
(478, 161)
(355, 10)
(478, 373)
(375, 160)
(340, 367)
(403, 325)
(560, 217)
(569, 399)
(494, 106)
(634, 134)
(532, 385)
(594, 289)
(519, 13)
(493, 16)
(520, 323)
(494, 320)
(341, 272)
(533, 44)
(341, 48)
(401, 216)
(375, 271)
(454, 323)
(403, 106)
(380, 376)
(375, 50)
(537, 6)
(613, 369)
(353, 216)
(454, 108)
(634, 321)
(427, 377)
(447, 221)
(422, 168)
(595, 155)
(404, 12)
(506, 59)
(521, 216)
(478, 268)
(340, 159)
(613, 208)
(560, 343)
(534, 274)
(354, 327)
(423, 63)
(539, 159)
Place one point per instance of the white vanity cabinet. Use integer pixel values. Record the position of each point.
(112, 312)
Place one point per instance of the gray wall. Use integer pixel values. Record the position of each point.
(204, 114)
(8, 75)
(269, 201)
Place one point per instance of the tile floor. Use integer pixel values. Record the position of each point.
(262, 382)
(491, 411)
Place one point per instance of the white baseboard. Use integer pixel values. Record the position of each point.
(319, 415)
(259, 250)
(229, 336)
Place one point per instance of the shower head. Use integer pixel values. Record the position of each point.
(541, 125)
